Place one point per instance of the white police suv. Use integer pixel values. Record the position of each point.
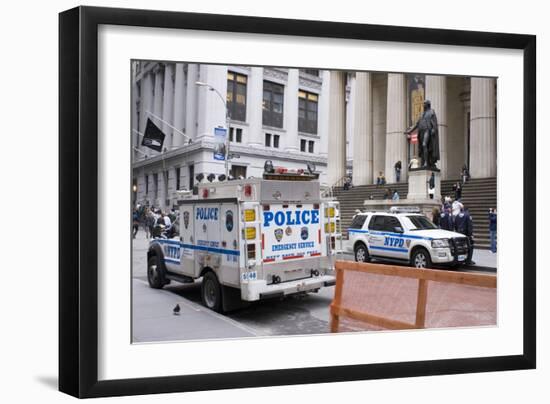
(407, 236)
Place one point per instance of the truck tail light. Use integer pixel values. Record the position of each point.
(330, 227)
(266, 207)
(315, 206)
(250, 233)
(205, 193)
(248, 190)
(249, 215)
(330, 212)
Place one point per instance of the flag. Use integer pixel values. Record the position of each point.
(153, 137)
(413, 136)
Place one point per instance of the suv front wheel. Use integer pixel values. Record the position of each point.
(421, 259)
(361, 253)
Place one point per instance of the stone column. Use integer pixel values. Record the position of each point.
(191, 100)
(379, 101)
(179, 105)
(146, 104)
(396, 124)
(157, 101)
(483, 136)
(292, 141)
(168, 106)
(337, 127)
(211, 108)
(362, 130)
(135, 124)
(324, 113)
(254, 106)
(436, 92)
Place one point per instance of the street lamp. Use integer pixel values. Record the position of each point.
(224, 102)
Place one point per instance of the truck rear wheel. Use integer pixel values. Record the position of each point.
(155, 272)
(211, 294)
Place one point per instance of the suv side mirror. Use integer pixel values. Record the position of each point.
(398, 229)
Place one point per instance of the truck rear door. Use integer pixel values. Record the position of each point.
(290, 232)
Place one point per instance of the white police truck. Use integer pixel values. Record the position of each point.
(251, 239)
(405, 235)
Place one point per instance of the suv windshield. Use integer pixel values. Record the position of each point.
(421, 223)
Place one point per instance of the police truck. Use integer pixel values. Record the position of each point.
(251, 239)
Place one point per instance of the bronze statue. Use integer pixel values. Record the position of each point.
(428, 136)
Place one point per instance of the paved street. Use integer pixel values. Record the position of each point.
(153, 319)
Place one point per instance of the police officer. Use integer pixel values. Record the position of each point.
(465, 225)
(446, 221)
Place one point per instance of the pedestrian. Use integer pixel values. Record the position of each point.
(347, 183)
(457, 189)
(397, 168)
(457, 207)
(388, 193)
(380, 180)
(135, 222)
(431, 186)
(465, 174)
(150, 222)
(493, 229)
(395, 196)
(436, 215)
(464, 225)
(446, 220)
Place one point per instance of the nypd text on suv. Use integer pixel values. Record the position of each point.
(405, 236)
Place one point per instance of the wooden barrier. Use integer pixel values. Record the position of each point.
(423, 276)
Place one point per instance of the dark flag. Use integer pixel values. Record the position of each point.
(153, 137)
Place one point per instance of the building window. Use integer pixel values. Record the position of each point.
(238, 171)
(236, 135)
(310, 146)
(272, 140)
(313, 72)
(307, 112)
(155, 186)
(273, 104)
(303, 143)
(236, 96)
(178, 173)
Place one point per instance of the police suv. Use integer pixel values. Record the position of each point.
(251, 239)
(407, 236)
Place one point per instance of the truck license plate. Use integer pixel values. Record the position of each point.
(461, 257)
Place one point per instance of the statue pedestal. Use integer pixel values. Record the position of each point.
(418, 185)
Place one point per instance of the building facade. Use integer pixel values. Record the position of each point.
(345, 123)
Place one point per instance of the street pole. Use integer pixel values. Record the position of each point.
(224, 102)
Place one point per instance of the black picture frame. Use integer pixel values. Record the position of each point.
(78, 195)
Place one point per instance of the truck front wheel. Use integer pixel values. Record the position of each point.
(211, 294)
(155, 272)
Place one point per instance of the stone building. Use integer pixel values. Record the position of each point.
(345, 123)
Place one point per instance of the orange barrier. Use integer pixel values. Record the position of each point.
(399, 278)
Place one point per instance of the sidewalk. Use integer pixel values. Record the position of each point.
(153, 318)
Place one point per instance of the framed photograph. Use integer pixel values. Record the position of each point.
(249, 201)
